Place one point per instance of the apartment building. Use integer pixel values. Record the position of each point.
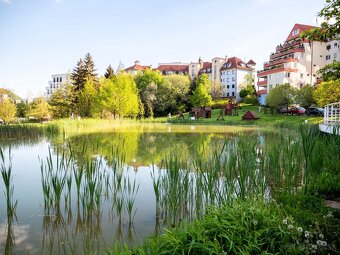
(57, 81)
(233, 76)
(295, 62)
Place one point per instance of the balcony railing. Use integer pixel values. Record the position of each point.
(280, 61)
(332, 114)
(262, 83)
(280, 54)
(275, 70)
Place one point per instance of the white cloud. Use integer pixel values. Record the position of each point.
(6, 1)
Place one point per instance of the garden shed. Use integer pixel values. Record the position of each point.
(250, 115)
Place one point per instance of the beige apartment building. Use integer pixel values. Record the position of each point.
(295, 62)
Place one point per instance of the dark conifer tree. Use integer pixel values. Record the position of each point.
(109, 74)
(90, 71)
(78, 76)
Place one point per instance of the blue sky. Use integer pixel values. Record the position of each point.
(39, 38)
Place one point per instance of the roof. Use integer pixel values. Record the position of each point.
(251, 62)
(173, 68)
(299, 28)
(207, 65)
(206, 68)
(137, 67)
(250, 115)
(235, 62)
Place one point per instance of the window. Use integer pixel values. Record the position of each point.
(335, 55)
(227, 86)
(328, 57)
(233, 78)
(228, 72)
(233, 71)
(335, 45)
(61, 79)
(328, 47)
(227, 94)
(233, 93)
(295, 32)
(228, 79)
(287, 75)
(295, 65)
(54, 79)
(301, 85)
(233, 86)
(301, 75)
(269, 77)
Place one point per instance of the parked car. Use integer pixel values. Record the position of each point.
(283, 110)
(316, 111)
(297, 111)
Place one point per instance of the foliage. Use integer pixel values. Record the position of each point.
(282, 95)
(304, 96)
(330, 72)
(329, 30)
(327, 92)
(7, 110)
(109, 74)
(22, 109)
(62, 101)
(40, 109)
(78, 76)
(86, 101)
(119, 96)
(10, 94)
(200, 96)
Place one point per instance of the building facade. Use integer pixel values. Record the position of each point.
(173, 68)
(136, 68)
(57, 81)
(295, 62)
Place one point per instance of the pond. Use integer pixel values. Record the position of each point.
(78, 194)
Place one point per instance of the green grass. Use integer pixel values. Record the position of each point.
(276, 120)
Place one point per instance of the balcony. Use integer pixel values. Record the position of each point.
(262, 83)
(280, 54)
(288, 45)
(265, 73)
(261, 92)
(279, 61)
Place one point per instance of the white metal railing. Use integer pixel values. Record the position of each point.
(332, 114)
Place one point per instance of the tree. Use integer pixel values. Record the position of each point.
(62, 101)
(7, 110)
(200, 97)
(109, 74)
(327, 92)
(304, 96)
(330, 72)
(40, 109)
(78, 76)
(282, 95)
(89, 67)
(22, 110)
(86, 99)
(204, 80)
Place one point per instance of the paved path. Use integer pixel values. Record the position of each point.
(333, 204)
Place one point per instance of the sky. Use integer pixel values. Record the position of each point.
(39, 38)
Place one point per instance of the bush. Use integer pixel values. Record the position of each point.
(251, 100)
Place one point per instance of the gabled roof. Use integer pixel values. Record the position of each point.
(206, 68)
(137, 67)
(235, 62)
(207, 65)
(173, 68)
(299, 28)
(251, 62)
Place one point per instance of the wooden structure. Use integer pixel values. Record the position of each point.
(200, 112)
(231, 109)
(250, 115)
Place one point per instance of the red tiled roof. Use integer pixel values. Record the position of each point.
(301, 28)
(235, 62)
(137, 67)
(207, 65)
(173, 68)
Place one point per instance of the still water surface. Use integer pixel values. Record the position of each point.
(78, 224)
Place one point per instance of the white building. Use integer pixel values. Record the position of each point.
(233, 73)
(57, 81)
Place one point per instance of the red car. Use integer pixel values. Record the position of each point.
(297, 111)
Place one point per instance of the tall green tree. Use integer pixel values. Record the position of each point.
(90, 71)
(204, 80)
(200, 97)
(7, 110)
(179, 86)
(78, 75)
(304, 96)
(282, 95)
(109, 74)
(327, 92)
(86, 99)
(62, 101)
(40, 109)
(330, 72)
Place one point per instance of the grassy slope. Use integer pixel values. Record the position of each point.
(277, 120)
(10, 94)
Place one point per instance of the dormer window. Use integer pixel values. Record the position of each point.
(295, 32)
(229, 64)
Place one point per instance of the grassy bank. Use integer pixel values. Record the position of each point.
(265, 119)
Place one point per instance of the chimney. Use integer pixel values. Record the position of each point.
(137, 62)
